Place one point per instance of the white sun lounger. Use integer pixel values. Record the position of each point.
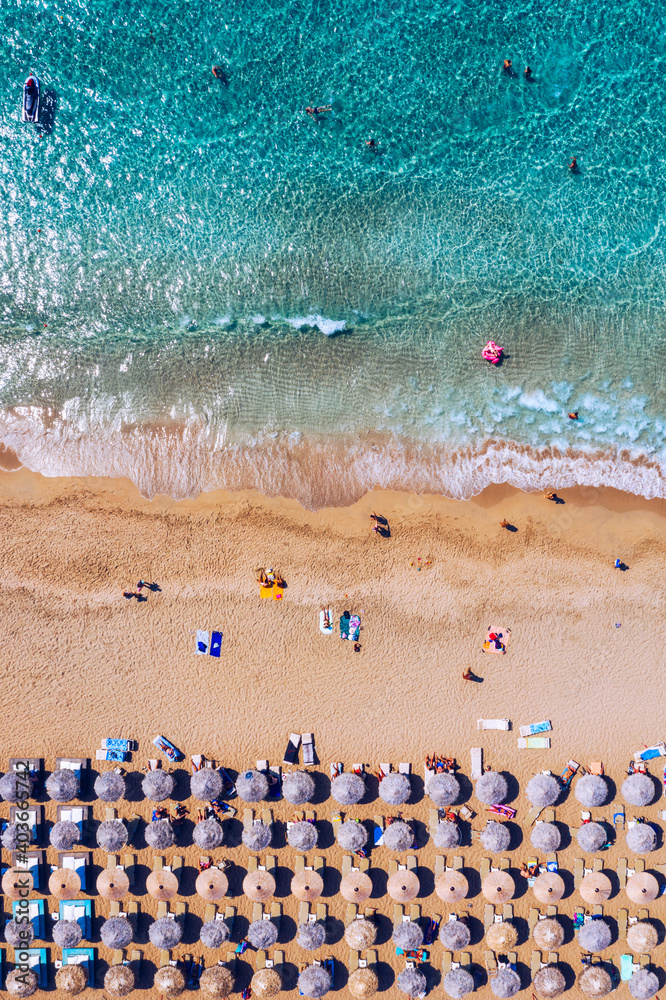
(307, 740)
(534, 743)
(477, 763)
(504, 724)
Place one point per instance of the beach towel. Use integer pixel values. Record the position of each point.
(277, 592)
(202, 642)
(327, 630)
(215, 643)
(266, 591)
(354, 628)
(344, 626)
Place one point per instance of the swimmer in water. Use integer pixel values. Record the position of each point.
(573, 166)
(371, 144)
(573, 416)
(313, 112)
(507, 65)
(219, 74)
(527, 73)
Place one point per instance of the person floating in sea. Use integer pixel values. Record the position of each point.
(573, 415)
(507, 66)
(527, 73)
(573, 166)
(313, 112)
(371, 144)
(219, 74)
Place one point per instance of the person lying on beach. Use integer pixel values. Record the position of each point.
(262, 578)
(279, 582)
(551, 496)
(327, 618)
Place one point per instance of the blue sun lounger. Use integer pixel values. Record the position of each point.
(215, 643)
(81, 956)
(35, 915)
(79, 910)
(37, 963)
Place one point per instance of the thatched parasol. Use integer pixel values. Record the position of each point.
(311, 936)
(216, 982)
(452, 886)
(20, 983)
(158, 785)
(348, 789)
(302, 836)
(594, 936)
(411, 981)
(160, 834)
(259, 886)
(206, 784)
(16, 882)
(642, 937)
(21, 935)
(162, 885)
(214, 933)
(403, 886)
(352, 835)
(252, 786)
(363, 983)
(638, 789)
(642, 888)
(298, 787)
(67, 933)
(446, 835)
(165, 933)
(502, 936)
(208, 834)
(492, 788)
(594, 981)
(398, 836)
(307, 886)
(543, 790)
(257, 837)
(62, 786)
(458, 983)
(15, 787)
(169, 981)
(505, 984)
(64, 835)
(408, 935)
(498, 887)
(495, 837)
(116, 932)
(314, 982)
(119, 980)
(71, 979)
(643, 984)
(64, 883)
(112, 835)
(112, 883)
(549, 982)
(262, 934)
(356, 887)
(109, 786)
(212, 884)
(591, 790)
(361, 934)
(266, 983)
(641, 838)
(395, 788)
(548, 934)
(595, 887)
(549, 887)
(443, 789)
(591, 837)
(545, 837)
(454, 935)
(10, 836)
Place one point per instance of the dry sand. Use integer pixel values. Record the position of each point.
(82, 662)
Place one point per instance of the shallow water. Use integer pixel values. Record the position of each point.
(175, 250)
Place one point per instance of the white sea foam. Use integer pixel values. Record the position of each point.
(327, 326)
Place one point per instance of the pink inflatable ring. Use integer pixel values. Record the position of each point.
(492, 352)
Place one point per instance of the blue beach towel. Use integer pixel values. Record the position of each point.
(215, 643)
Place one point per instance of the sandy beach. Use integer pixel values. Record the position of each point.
(585, 652)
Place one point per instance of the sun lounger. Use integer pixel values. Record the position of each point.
(170, 751)
(568, 773)
(229, 917)
(649, 753)
(477, 763)
(502, 724)
(81, 956)
(351, 913)
(415, 913)
(535, 963)
(551, 911)
(643, 914)
(534, 743)
(118, 755)
(393, 867)
(119, 744)
(536, 728)
(626, 967)
(398, 914)
(319, 865)
(488, 915)
(308, 749)
(36, 960)
(276, 915)
(484, 868)
(440, 865)
(215, 643)
(465, 960)
(378, 834)
(303, 913)
(490, 960)
(257, 912)
(326, 629)
(346, 865)
(598, 910)
(579, 871)
(30, 861)
(78, 862)
(533, 815)
(507, 911)
(35, 915)
(412, 864)
(201, 643)
(533, 919)
(458, 863)
(322, 912)
(447, 961)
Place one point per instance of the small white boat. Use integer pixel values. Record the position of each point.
(31, 99)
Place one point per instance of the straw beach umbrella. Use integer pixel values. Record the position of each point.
(361, 934)
(641, 838)
(214, 933)
(543, 790)
(298, 787)
(492, 788)
(208, 834)
(446, 835)
(302, 836)
(20, 983)
(216, 982)
(311, 936)
(21, 935)
(110, 787)
(642, 937)
(352, 836)
(113, 884)
(457, 983)
(594, 936)
(348, 789)
(643, 984)
(408, 936)
(398, 837)
(363, 983)
(595, 887)
(252, 786)
(162, 885)
(403, 886)
(112, 835)
(307, 886)
(64, 835)
(594, 981)
(206, 784)
(116, 932)
(62, 786)
(455, 935)
(15, 787)
(452, 886)
(67, 933)
(259, 886)
(549, 887)
(502, 936)
(119, 980)
(642, 888)
(160, 834)
(506, 983)
(10, 837)
(443, 789)
(15, 883)
(64, 883)
(314, 982)
(638, 789)
(545, 837)
(591, 837)
(356, 887)
(71, 979)
(266, 982)
(169, 981)
(257, 837)
(262, 934)
(549, 982)
(165, 933)
(495, 837)
(548, 934)
(158, 785)
(394, 788)
(591, 790)
(212, 884)
(412, 982)
(498, 887)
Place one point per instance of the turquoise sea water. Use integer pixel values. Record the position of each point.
(201, 286)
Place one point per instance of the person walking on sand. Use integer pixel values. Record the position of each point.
(504, 523)
(468, 675)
